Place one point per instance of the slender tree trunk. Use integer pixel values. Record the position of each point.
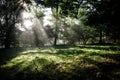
(56, 34)
(100, 38)
(55, 40)
(56, 27)
(114, 38)
(7, 45)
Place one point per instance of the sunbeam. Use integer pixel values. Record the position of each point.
(27, 19)
(32, 28)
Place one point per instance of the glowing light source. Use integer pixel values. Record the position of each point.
(27, 23)
(47, 17)
(27, 19)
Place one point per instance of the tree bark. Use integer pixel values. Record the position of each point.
(56, 27)
(100, 38)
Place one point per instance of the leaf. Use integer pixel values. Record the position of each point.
(64, 1)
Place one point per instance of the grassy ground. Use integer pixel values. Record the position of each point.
(61, 63)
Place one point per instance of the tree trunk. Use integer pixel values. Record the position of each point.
(7, 45)
(56, 34)
(56, 27)
(7, 41)
(100, 38)
(55, 40)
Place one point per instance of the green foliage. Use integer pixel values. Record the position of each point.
(101, 13)
(9, 13)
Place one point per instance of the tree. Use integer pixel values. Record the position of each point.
(9, 13)
(83, 33)
(62, 7)
(8, 18)
(103, 17)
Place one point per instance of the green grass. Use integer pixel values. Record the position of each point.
(89, 62)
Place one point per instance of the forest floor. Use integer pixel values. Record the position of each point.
(85, 62)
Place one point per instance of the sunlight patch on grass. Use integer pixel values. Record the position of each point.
(41, 50)
(19, 60)
(26, 59)
(28, 51)
(49, 50)
(101, 59)
(66, 60)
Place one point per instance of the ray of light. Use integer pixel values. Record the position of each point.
(32, 27)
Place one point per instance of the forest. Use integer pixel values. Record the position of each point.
(59, 39)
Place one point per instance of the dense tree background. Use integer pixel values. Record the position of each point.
(104, 16)
(99, 21)
(59, 40)
(9, 13)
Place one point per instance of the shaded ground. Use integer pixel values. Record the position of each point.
(61, 63)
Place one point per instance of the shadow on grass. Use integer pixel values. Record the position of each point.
(100, 70)
(114, 56)
(70, 52)
(87, 69)
(7, 54)
(82, 68)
